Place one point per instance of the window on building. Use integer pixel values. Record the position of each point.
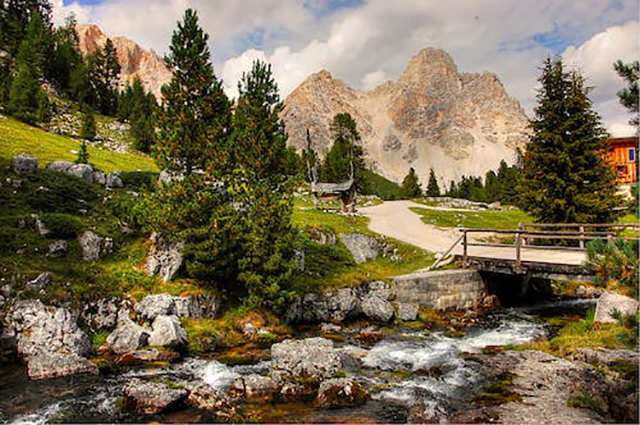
(632, 154)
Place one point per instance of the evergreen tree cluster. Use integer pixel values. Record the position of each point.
(233, 205)
(411, 187)
(496, 187)
(139, 109)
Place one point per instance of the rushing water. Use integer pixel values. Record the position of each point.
(409, 370)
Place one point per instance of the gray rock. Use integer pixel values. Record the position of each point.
(254, 386)
(168, 332)
(39, 225)
(362, 247)
(153, 306)
(58, 248)
(588, 292)
(24, 164)
(604, 356)
(103, 314)
(113, 180)
(47, 339)
(168, 177)
(330, 328)
(609, 302)
(91, 245)
(313, 358)
(204, 397)
(340, 393)
(375, 303)
(407, 312)
(165, 258)
(59, 166)
(127, 337)
(99, 177)
(55, 365)
(39, 283)
(6, 290)
(81, 171)
(343, 303)
(150, 398)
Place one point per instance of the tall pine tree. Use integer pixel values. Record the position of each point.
(432, 187)
(629, 96)
(411, 187)
(566, 178)
(196, 117)
(259, 139)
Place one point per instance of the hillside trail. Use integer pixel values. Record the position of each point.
(395, 220)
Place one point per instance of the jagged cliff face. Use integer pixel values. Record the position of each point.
(134, 60)
(433, 116)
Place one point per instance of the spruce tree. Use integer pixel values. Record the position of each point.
(83, 154)
(629, 96)
(195, 121)
(259, 139)
(66, 55)
(566, 178)
(88, 129)
(411, 187)
(109, 71)
(433, 189)
(344, 154)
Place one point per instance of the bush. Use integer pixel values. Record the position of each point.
(61, 193)
(62, 226)
(138, 180)
(613, 263)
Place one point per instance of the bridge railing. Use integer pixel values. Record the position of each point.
(525, 238)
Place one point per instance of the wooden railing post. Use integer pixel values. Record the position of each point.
(518, 249)
(521, 229)
(581, 236)
(464, 248)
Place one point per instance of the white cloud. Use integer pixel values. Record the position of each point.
(235, 67)
(595, 58)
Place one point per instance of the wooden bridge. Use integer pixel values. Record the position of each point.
(548, 251)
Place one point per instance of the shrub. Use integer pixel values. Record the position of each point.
(613, 262)
(61, 193)
(62, 226)
(139, 179)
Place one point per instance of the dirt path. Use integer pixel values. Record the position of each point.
(394, 219)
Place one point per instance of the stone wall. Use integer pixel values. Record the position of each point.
(442, 289)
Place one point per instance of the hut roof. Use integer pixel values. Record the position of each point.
(332, 188)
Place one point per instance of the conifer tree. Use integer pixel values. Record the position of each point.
(259, 139)
(566, 178)
(83, 154)
(629, 96)
(66, 55)
(196, 118)
(433, 189)
(88, 129)
(411, 187)
(344, 154)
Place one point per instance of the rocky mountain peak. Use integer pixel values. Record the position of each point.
(432, 117)
(134, 60)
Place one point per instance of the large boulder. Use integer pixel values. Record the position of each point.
(127, 337)
(168, 332)
(55, 365)
(59, 166)
(113, 180)
(362, 247)
(203, 397)
(313, 358)
(195, 306)
(94, 246)
(24, 164)
(103, 314)
(375, 303)
(81, 171)
(151, 398)
(99, 177)
(407, 312)
(608, 303)
(254, 386)
(47, 339)
(340, 392)
(165, 257)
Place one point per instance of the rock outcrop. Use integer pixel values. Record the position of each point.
(48, 340)
(150, 398)
(24, 164)
(312, 358)
(195, 306)
(165, 258)
(168, 332)
(432, 117)
(134, 60)
(127, 337)
(362, 247)
(609, 303)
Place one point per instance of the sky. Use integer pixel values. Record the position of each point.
(367, 42)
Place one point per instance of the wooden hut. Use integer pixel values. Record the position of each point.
(345, 191)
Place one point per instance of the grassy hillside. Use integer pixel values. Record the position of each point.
(382, 187)
(17, 137)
